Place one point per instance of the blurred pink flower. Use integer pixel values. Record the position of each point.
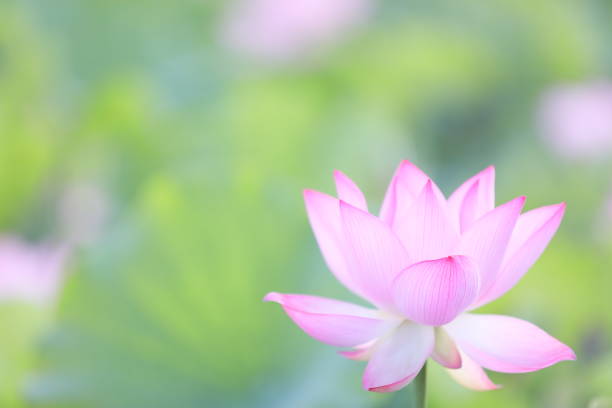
(576, 120)
(425, 263)
(282, 30)
(30, 273)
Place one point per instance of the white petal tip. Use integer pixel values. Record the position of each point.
(491, 387)
(273, 297)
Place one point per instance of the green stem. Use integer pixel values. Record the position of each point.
(413, 395)
(420, 383)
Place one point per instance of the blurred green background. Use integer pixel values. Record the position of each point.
(200, 154)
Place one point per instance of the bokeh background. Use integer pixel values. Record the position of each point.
(166, 144)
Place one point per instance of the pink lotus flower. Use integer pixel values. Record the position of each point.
(282, 30)
(576, 120)
(28, 273)
(425, 263)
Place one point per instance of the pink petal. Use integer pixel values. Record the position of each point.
(361, 352)
(445, 351)
(375, 254)
(356, 354)
(474, 198)
(532, 233)
(349, 192)
(471, 375)
(405, 186)
(424, 227)
(487, 239)
(324, 215)
(331, 321)
(470, 207)
(398, 358)
(435, 292)
(507, 344)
